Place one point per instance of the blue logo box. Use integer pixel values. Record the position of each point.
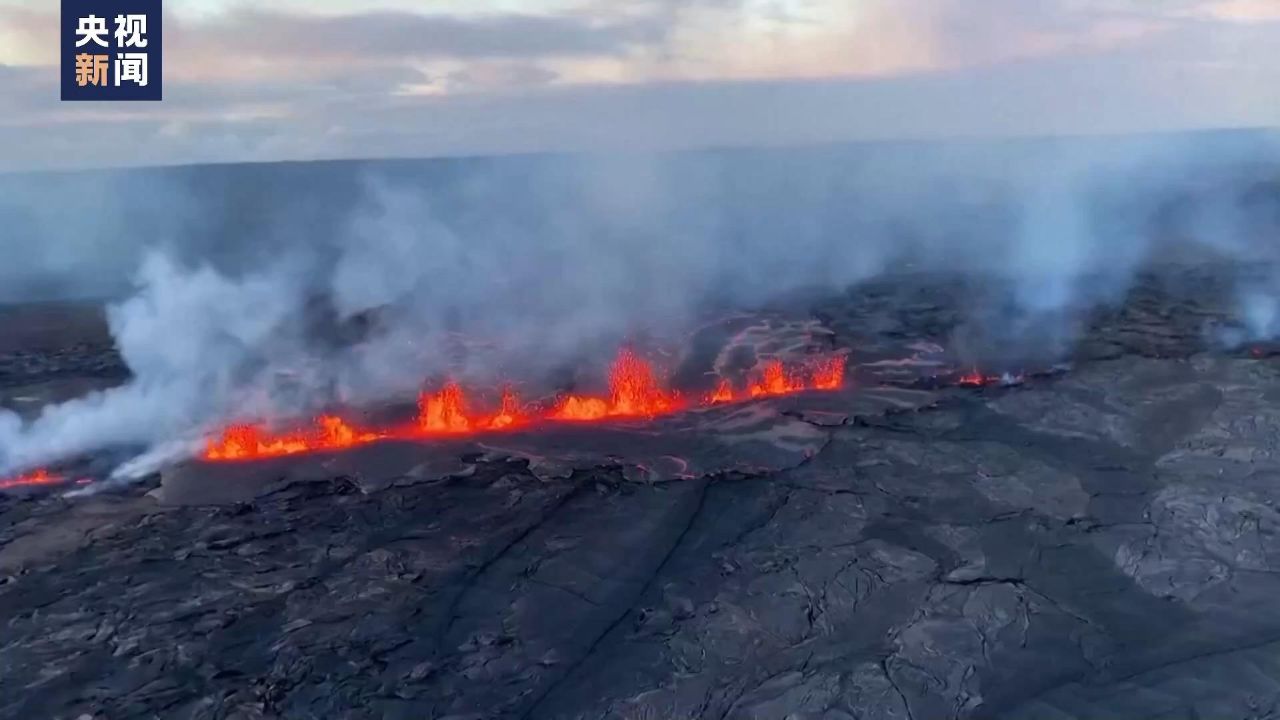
(112, 50)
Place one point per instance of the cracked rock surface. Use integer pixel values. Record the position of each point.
(1092, 544)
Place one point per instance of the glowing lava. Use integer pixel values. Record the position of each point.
(635, 391)
(973, 378)
(509, 413)
(828, 374)
(444, 412)
(448, 412)
(32, 479)
(578, 408)
(250, 442)
(774, 380)
(722, 394)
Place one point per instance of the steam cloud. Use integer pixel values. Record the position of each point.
(487, 269)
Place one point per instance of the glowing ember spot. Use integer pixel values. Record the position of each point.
(974, 378)
(444, 412)
(32, 479)
(722, 394)
(829, 374)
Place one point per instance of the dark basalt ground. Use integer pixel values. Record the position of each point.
(1098, 542)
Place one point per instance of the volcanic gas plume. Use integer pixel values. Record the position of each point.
(635, 391)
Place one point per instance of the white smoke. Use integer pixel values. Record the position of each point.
(195, 341)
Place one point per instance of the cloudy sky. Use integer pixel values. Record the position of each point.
(299, 79)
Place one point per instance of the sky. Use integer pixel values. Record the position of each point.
(310, 79)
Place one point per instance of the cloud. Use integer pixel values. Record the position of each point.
(254, 84)
(1115, 94)
(1243, 10)
(406, 34)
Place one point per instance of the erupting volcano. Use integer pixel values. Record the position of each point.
(635, 391)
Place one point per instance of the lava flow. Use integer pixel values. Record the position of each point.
(248, 442)
(635, 391)
(31, 479)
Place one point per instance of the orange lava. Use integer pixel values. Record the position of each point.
(32, 479)
(722, 394)
(829, 374)
(974, 379)
(444, 412)
(250, 442)
(448, 412)
(775, 380)
(581, 409)
(635, 391)
(510, 414)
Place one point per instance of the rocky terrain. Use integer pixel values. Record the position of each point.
(1095, 537)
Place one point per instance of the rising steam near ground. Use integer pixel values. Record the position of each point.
(488, 270)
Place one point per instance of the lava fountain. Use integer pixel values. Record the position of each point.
(635, 391)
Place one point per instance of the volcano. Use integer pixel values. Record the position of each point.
(828, 511)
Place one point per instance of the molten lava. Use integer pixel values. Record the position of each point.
(448, 412)
(250, 442)
(581, 409)
(444, 412)
(973, 378)
(32, 479)
(828, 374)
(775, 380)
(635, 391)
(509, 413)
(722, 394)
